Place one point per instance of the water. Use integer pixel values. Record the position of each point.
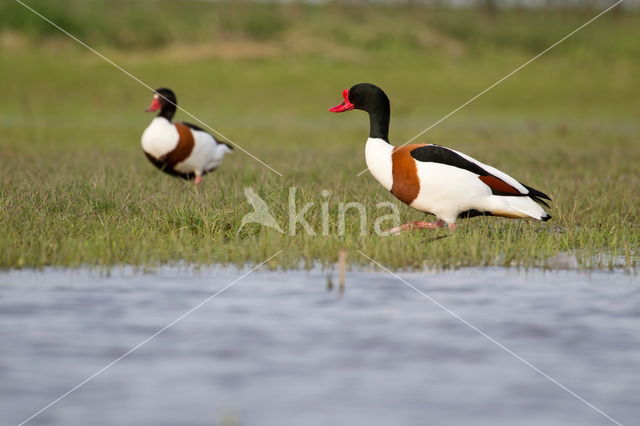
(278, 348)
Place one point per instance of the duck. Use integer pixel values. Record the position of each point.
(183, 150)
(435, 179)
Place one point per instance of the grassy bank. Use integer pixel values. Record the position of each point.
(75, 188)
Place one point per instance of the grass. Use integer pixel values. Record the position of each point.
(75, 188)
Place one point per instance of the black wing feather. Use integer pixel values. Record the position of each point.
(442, 155)
(194, 127)
(439, 154)
(535, 193)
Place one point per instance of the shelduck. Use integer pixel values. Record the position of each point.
(434, 179)
(180, 149)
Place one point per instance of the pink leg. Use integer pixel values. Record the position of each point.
(197, 180)
(419, 225)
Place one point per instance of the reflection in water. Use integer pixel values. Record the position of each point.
(278, 348)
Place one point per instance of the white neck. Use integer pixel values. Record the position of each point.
(378, 155)
(160, 138)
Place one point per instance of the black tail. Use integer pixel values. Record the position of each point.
(538, 196)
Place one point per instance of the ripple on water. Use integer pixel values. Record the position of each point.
(278, 348)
